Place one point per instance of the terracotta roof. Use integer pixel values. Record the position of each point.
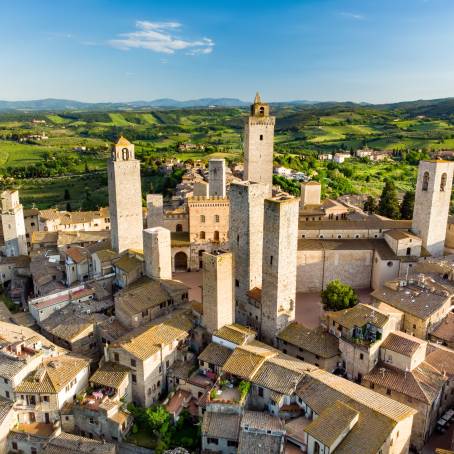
(74, 444)
(369, 223)
(215, 354)
(106, 255)
(110, 374)
(415, 299)
(236, 333)
(52, 375)
(147, 340)
(423, 383)
(445, 330)
(128, 263)
(77, 254)
(358, 316)
(402, 343)
(261, 421)
(221, 425)
(316, 341)
(245, 360)
(441, 358)
(281, 373)
(378, 414)
(401, 235)
(332, 423)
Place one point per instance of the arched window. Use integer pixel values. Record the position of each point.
(216, 235)
(262, 110)
(261, 136)
(202, 218)
(179, 228)
(316, 447)
(216, 218)
(202, 235)
(444, 176)
(125, 154)
(425, 181)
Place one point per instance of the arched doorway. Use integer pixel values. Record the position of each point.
(181, 261)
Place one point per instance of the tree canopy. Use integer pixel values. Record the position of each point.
(389, 205)
(338, 296)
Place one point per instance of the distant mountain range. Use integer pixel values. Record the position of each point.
(436, 107)
(51, 104)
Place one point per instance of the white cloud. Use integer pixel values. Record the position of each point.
(161, 37)
(354, 16)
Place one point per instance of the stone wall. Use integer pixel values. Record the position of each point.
(279, 261)
(125, 202)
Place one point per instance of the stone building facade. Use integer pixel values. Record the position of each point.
(125, 200)
(216, 178)
(157, 253)
(280, 232)
(13, 223)
(258, 144)
(246, 240)
(217, 290)
(432, 200)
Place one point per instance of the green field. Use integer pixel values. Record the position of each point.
(81, 141)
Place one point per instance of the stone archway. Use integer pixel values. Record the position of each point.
(181, 261)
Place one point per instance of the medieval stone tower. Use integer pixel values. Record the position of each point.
(155, 210)
(157, 253)
(280, 237)
(125, 198)
(258, 144)
(432, 199)
(12, 215)
(217, 290)
(246, 239)
(216, 177)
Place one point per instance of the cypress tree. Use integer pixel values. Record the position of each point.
(389, 205)
(408, 203)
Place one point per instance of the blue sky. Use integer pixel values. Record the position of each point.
(112, 50)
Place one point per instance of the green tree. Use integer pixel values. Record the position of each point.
(67, 195)
(68, 206)
(87, 168)
(338, 296)
(408, 203)
(370, 205)
(389, 205)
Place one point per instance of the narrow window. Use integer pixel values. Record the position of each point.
(261, 136)
(443, 182)
(425, 181)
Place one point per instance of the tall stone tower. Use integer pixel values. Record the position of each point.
(13, 224)
(246, 239)
(258, 144)
(217, 290)
(432, 199)
(310, 193)
(125, 198)
(216, 177)
(155, 210)
(280, 237)
(157, 253)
